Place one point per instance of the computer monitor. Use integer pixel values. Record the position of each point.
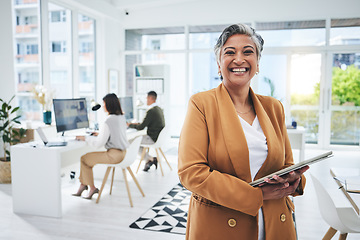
(127, 107)
(70, 114)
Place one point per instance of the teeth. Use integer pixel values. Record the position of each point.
(239, 69)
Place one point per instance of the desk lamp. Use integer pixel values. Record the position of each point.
(94, 105)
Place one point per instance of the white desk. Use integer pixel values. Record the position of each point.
(297, 140)
(35, 173)
(341, 175)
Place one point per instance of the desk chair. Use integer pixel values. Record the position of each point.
(130, 157)
(157, 146)
(344, 220)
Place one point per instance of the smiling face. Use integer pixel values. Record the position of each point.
(238, 61)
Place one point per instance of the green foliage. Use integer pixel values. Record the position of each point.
(345, 89)
(304, 99)
(346, 85)
(8, 134)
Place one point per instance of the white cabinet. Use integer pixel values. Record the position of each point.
(151, 77)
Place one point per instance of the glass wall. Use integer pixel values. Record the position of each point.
(60, 52)
(27, 39)
(155, 39)
(292, 69)
(345, 100)
(304, 83)
(345, 31)
(60, 46)
(294, 33)
(203, 71)
(272, 77)
(86, 35)
(204, 37)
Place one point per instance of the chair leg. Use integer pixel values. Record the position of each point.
(343, 236)
(112, 180)
(165, 158)
(103, 183)
(135, 180)
(142, 157)
(159, 161)
(127, 187)
(329, 234)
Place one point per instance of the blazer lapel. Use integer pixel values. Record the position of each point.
(269, 133)
(234, 136)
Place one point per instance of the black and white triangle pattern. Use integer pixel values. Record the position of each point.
(167, 215)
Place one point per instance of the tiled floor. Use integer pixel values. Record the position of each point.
(110, 219)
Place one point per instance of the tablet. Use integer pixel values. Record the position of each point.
(294, 167)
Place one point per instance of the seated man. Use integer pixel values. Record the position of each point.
(155, 122)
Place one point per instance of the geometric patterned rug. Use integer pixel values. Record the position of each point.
(167, 215)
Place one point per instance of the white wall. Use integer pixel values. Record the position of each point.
(205, 12)
(7, 84)
(109, 41)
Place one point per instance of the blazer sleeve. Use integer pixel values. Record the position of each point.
(196, 175)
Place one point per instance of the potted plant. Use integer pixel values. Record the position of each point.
(44, 97)
(9, 136)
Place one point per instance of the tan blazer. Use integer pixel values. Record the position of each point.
(214, 165)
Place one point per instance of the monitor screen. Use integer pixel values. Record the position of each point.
(127, 107)
(70, 114)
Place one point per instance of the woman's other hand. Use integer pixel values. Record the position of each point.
(278, 187)
(80, 138)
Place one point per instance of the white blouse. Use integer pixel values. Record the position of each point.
(258, 151)
(101, 139)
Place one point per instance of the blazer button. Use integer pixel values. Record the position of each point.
(283, 217)
(232, 222)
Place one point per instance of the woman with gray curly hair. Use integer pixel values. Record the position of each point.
(230, 137)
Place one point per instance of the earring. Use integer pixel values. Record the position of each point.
(257, 73)
(219, 73)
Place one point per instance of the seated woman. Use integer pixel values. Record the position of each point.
(113, 136)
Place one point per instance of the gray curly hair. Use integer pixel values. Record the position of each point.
(238, 29)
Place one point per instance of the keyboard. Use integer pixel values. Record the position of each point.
(56, 144)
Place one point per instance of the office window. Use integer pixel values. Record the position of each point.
(30, 20)
(86, 64)
(292, 33)
(32, 49)
(86, 47)
(204, 37)
(281, 74)
(203, 72)
(345, 31)
(60, 63)
(272, 78)
(345, 101)
(155, 45)
(84, 18)
(143, 39)
(27, 59)
(304, 88)
(58, 46)
(58, 16)
(28, 50)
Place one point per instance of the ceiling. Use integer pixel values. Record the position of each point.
(141, 4)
